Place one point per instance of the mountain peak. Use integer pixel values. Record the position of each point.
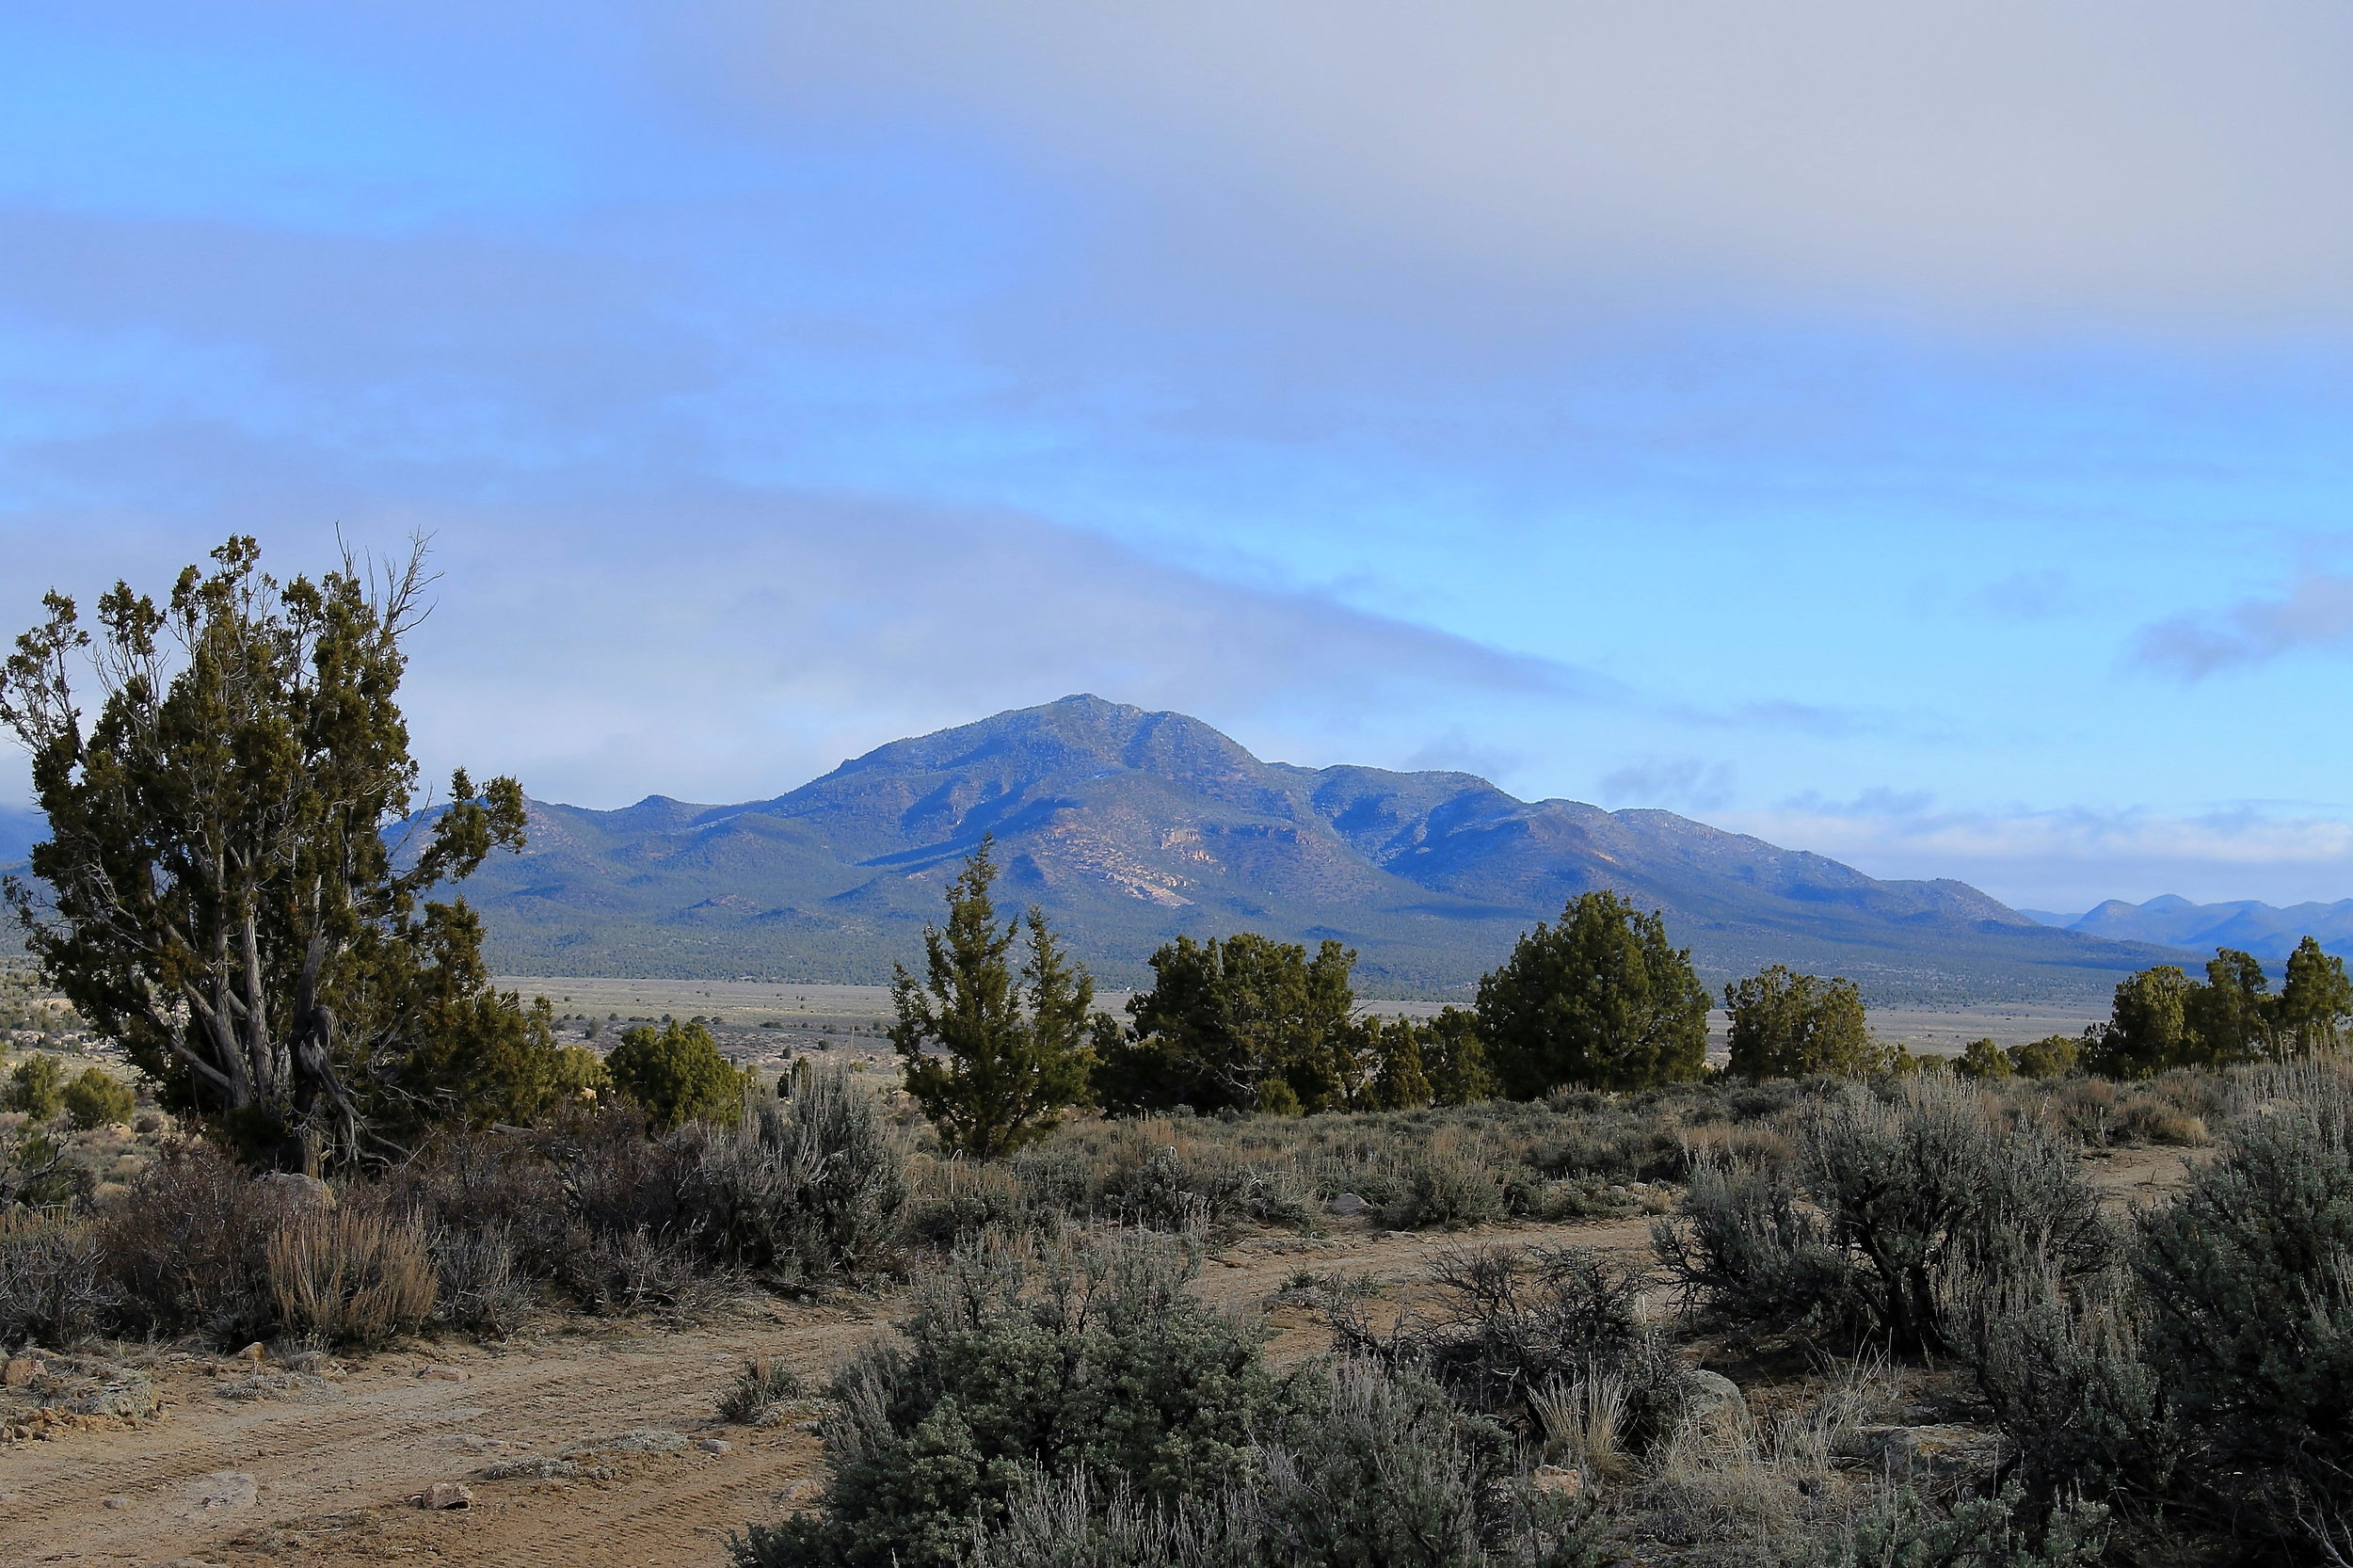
(1131, 825)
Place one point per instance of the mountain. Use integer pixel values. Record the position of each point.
(2265, 930)
(1130, 827)
(21, 828)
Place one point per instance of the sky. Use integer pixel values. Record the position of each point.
(1913, 433)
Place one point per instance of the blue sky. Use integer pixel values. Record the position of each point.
(1913, 433)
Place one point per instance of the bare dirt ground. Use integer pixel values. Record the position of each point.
(329, 1480)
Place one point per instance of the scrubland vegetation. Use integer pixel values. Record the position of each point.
(1828, 1304)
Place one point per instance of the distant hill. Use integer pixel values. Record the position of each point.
(2265, 930)
(20, 830)
(1131, 827)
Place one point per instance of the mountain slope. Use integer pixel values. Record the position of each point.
(2265, 930)
(1131, 827)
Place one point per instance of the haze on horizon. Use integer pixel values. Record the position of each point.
(1911, 434)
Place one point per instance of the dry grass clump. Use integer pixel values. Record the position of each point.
(764, 1385)
(350, 1277)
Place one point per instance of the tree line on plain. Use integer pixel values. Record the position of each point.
(217, 894)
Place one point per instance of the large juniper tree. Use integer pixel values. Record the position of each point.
(216, 892)
(1600, 1001)
(1247, 1023)
(992, 1057)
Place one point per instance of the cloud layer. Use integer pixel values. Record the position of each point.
(2178, 155)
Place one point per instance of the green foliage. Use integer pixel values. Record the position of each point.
(482, 1057)
(97, 1097)
(216, 892)
(1986, 1063)
(1375, 1468)
(2250, 1281)
(2149, 1026)
(33, 1171)
(1455, 1059)
(2315, 1005)
(1093, 1359)
(1901, 1530)
(2053, 1056)
(1244, 1024)
(811, 1188)
(1787, 1025)
(2161, 1019)
(1011, 1056)
(2064, 1370)
(1598, 1002)
(37, 1088)
(676, 1075)
(1399, 1081)
(1361, 1467)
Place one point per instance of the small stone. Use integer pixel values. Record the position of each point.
(435, 1373)
(118, 1502)
(446, 1495)
(1712, 1403)
(715, 1446)
(1347, 1205)
(256, 1352)
(20, 1370)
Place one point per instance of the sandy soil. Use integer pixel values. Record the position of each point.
(330, 1480)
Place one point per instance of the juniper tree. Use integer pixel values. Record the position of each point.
(1599, 1000)
(1787, 1025)
(216, 892)
(1242, 1023)
(2162, 1018)
(993, 1058)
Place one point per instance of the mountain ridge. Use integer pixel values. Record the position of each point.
(2270, 932)
(1131, 827)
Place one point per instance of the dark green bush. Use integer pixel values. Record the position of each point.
(37, 1088)
(1092, 1358)
(98, 1098)
(676, 1075)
